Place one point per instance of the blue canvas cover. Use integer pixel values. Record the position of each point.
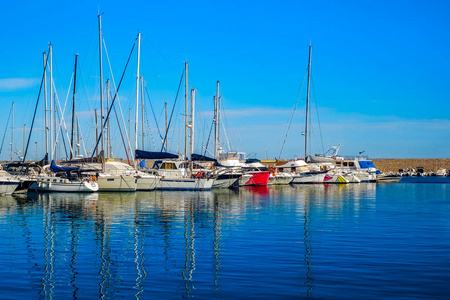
(141, 154)
(54, 168)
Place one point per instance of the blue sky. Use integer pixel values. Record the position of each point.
(380, 71)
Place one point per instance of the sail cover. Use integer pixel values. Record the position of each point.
(54, 168)
(141, 154)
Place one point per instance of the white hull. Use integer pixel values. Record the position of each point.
(8, 186)
(280, 179)
(335, 178)
(224, 183)
(53, 184)
(116, 183)
(197, 184)
(388, 178)
(147, 183)
(309, 177)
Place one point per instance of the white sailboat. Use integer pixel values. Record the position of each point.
(178, 174)
(312, 176)
(63, 179)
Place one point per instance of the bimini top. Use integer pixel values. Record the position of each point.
(366, 164)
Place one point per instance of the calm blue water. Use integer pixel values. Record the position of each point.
(355, 241)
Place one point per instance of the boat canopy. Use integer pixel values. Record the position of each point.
(54, 168)
(198, 157)
(141, 154)
(366, 164)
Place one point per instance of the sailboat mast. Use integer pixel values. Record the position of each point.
(137, 95)
(186, 109)
(192, 121)
(142, 105)
(216, 123)
(108, 129)
(12, 134)
(307, 103)
(72, 147)
(45, 101)
(167, 138)
(51, 101)
(101, 81)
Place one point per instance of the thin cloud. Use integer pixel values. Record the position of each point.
(13, 84)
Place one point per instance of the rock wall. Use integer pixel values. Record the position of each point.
(430, 164)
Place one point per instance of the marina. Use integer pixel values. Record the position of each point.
(225, 150)
(364, 240)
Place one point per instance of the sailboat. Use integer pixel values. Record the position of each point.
(178, 173)
(312, 176)
(65, 179)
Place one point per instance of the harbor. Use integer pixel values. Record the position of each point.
(224, 150)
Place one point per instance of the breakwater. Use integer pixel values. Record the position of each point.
(386, 165)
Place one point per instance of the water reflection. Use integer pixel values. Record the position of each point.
(170, 243)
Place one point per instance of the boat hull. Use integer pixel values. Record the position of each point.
(225, 180)
(310, 177)
(8, 186)
(185, 184)
(280, 179)
(258, 178)
(116, 183)
(62, 185)
(147, 183)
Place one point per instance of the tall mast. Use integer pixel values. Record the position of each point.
(72, 145)
(167, 138)
(101, 81)
(137, 96)
(51, 101)
(307, 103)
(216, 123)
(12, 134)
(192, 122)
(45, 100)
(186, 108)
(96, 130)
(142, 105)
(108, 129)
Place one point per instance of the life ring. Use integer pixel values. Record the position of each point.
(199, 174)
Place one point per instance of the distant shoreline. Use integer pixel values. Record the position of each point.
(386, 165)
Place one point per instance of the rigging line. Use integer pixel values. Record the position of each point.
(292, 116)
(113, 100)
(149, 128)
(209, 136)
(121, 135)
(154, 116)
(223, 125)
(173, 108)
(62, 121)
(114, 84)
(317, 112)
(35, 110)
(6, 129)
(62, 134)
